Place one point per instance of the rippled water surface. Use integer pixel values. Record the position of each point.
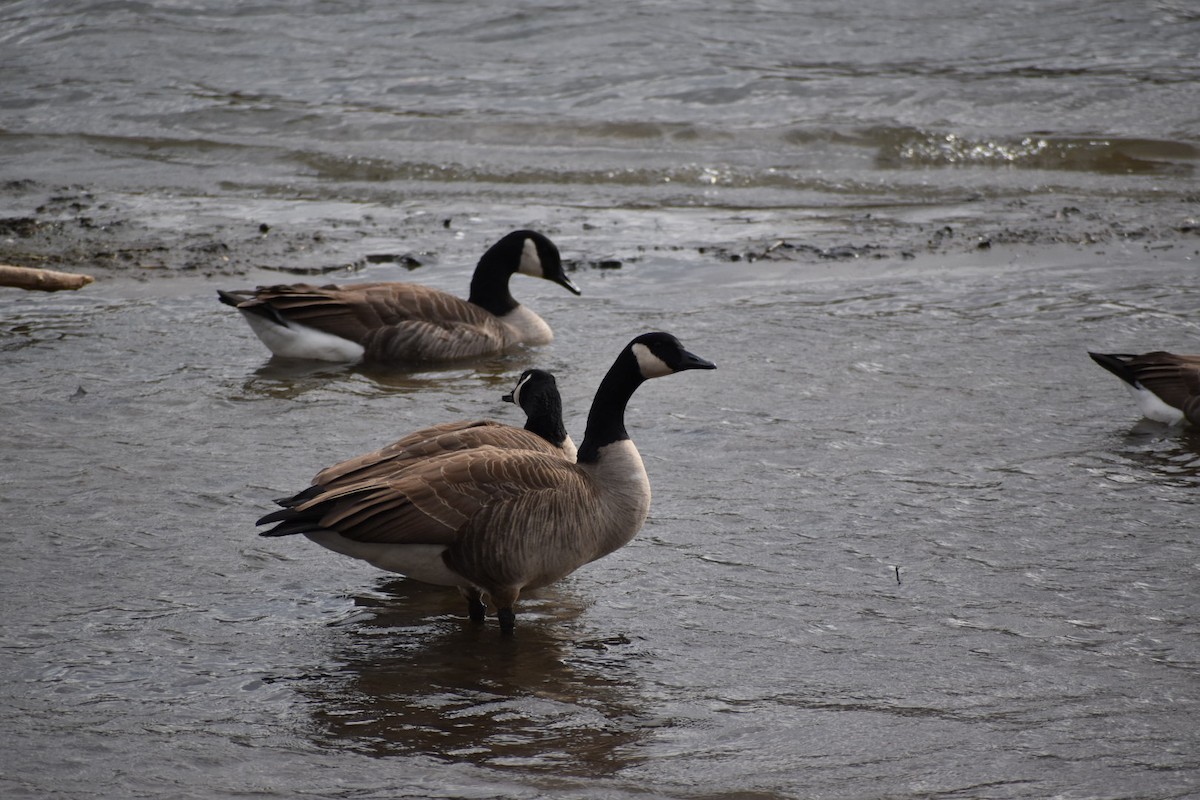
(907, 540)
(672, 103)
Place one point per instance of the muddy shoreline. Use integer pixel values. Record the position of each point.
(141, 237)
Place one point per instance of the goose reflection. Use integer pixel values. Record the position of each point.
(288, 379)
(407, 677)
(1172, 454)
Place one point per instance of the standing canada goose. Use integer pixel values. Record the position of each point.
(536, 393)
(1166, 386)
(495, 522)
(395, 323)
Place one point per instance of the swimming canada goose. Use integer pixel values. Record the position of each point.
(396, 323)
(1166, 386)
(495, 522)
(536, 393)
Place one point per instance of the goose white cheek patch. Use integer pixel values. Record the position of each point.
(531, 263)
(650, 365)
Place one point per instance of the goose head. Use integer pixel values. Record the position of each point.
(533, 389)
(536, 393)
(529, 253)
(651, 355)
(657, 354)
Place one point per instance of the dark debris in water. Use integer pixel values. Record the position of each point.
(576, 264)
(618, 640)
(68, 228)
(1020, 223)
(406, 260)
(74, 228)
(23, 227)
(790, 251)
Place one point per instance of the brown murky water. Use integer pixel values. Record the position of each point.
(906, 541)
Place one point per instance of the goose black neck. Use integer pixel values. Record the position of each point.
(489, 285)
(606, 420)
(546, 420)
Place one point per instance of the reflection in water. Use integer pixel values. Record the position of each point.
(413, 676)
(286, 378)
(1172, 454)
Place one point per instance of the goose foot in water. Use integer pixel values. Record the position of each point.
(476, 609)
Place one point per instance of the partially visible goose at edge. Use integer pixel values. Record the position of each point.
(396, 324)
(536, 393)
(495, 522)
(1165, 385)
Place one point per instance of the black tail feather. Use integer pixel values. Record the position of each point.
(291, 522)
(299, 497)
(232, 298)
(240, 301)
(1116, 363)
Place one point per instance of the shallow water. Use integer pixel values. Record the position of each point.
(907, 541)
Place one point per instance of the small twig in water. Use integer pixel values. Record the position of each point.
(897, 568)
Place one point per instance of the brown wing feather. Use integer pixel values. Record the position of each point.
(533, 536)
(428, 442)
(441, 499)
(397, 450)
(436, 340)
(1174, 378)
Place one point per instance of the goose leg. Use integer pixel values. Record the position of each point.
(476, 609)
(504, 599)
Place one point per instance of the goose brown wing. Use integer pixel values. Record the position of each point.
(1174, 378)
(435, 500)
(434, 440)
(417, 323)
(394, 450)
(436, 340)
(1191, 405)
(391, 320)
(346, 311)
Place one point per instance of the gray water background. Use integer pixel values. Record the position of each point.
(907, 541)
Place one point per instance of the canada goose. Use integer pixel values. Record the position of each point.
(1166, 386)
(397, 323)
(536, 393)
(495, 522)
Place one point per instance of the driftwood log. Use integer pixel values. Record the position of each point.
(45, 280)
